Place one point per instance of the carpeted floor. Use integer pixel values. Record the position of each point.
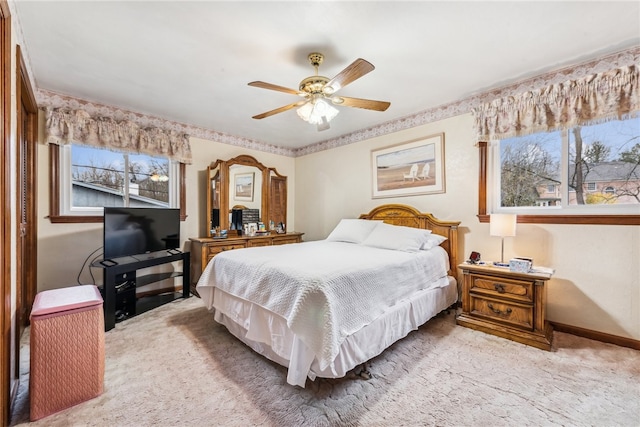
(174, 366)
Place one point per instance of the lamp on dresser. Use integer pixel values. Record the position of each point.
(502, 225)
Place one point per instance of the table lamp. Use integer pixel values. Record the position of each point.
(503, 225)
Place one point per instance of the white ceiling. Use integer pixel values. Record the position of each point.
(190, 62)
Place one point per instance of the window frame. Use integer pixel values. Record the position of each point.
(56, 214)
(592, 219)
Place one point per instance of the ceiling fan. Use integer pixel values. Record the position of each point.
(319, 91)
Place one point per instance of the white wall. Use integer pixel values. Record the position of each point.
(597, 280)
(63, 248)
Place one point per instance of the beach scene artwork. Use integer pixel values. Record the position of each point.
(410, 168)
(244, 187)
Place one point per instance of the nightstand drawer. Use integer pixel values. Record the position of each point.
(510, 313)
(498, 286)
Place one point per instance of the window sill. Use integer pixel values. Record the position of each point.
(574, 219)
(79, 219)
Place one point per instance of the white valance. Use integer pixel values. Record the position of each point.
(596, 98)
(64, 126)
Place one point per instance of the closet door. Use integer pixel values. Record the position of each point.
(26, 244)
(8, 378)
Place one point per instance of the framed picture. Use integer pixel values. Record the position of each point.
(410, 168)
(243, 185)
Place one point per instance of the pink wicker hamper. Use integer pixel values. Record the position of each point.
(67, 349)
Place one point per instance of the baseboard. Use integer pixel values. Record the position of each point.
(597, 336)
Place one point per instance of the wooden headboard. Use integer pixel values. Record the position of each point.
(396, 214)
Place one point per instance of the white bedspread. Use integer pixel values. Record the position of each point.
(325, 290)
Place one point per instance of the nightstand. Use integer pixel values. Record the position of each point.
(505, 303)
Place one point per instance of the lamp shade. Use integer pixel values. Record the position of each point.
(502, 225)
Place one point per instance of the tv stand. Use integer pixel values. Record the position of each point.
(121, 281)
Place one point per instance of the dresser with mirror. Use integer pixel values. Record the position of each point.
(258, 191)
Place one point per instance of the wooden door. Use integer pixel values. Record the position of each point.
(26, 242)
(27, 194)
(8, 386)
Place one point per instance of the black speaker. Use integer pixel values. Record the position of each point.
(236, 220)
(215, 218)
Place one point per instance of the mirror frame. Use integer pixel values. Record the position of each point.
(223, 181)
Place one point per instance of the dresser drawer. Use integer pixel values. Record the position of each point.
(215, 250)
(286, 240)
(521, 290)
(510, 313)
(259, 242)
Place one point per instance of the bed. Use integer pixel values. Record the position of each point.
(323, 308)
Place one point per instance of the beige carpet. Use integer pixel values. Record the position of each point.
(174, 366)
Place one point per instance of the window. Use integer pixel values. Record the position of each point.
(109, 178)
(85, 179)
(577, 134)
(579, 162)
(586, 174)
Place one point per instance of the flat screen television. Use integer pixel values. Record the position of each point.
(136, 231)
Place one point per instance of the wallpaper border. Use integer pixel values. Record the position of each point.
(630, 56)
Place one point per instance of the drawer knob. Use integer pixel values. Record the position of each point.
(499, 287)
(496, 311)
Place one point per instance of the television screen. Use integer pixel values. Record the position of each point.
(134, 231)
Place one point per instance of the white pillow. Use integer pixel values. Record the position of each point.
(433, 241)
(397, 237)
(352, 230)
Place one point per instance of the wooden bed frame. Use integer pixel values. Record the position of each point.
(397, 214)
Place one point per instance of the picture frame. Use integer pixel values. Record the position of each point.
(243, 185)
(409, 169)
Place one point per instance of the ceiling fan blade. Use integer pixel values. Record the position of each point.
(279, 110)
(357, 69)
(367, 104)
(264, 85)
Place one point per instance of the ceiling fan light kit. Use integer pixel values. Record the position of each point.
(317, 111)
(318, 90)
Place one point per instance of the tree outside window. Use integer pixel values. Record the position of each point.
(581, 166)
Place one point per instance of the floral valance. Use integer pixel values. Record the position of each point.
(596, 98)
(64, 126)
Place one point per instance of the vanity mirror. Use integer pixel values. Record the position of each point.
(241, 183)
(244, 183)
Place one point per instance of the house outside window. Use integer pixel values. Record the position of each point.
(570, 170)
(92, 178)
